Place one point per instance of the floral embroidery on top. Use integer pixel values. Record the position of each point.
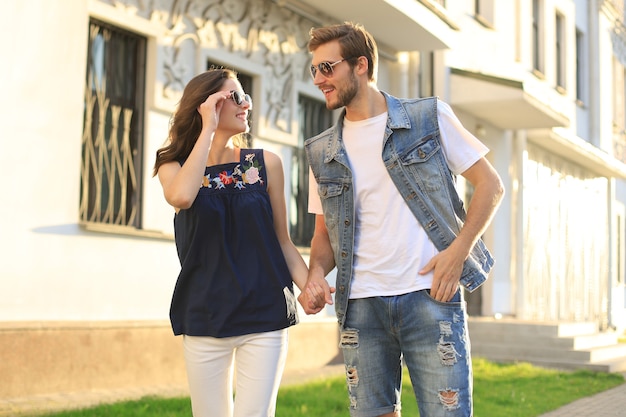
(245, 173)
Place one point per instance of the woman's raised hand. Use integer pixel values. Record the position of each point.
(211, 108)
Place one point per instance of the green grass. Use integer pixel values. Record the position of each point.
(512, 390)
(522, 390)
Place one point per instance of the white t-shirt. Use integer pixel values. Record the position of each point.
(390, 245)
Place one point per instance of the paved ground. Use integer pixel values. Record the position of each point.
(611, 403)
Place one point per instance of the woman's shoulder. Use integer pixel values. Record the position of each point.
(272, 161)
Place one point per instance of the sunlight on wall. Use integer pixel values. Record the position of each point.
(565, 229)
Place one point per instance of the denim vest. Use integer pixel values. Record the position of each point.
(415, 161)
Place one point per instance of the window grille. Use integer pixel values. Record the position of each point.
(112, 155)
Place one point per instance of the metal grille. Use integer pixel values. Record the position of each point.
(113, 127)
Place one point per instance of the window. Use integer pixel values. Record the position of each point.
(580, 68)
(426, 74)
(112, 154)
(314, 119)
(559, 51)
(484, 12)
(537, 41)
(439, 9)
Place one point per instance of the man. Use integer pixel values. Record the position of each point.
(389, 218)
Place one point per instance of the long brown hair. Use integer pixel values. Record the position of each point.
(186, 122)
(354, 42)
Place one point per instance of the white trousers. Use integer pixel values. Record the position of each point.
(258, 361)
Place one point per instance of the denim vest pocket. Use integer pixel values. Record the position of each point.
(418, 160)
(329, 189)
(331, 195)
(421, 150)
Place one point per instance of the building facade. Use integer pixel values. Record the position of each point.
(546, 85)
(89, 87)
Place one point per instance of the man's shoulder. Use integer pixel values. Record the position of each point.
(404, 112)
(320, 136)
(411, 101)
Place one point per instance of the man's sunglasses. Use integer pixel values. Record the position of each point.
(325, 68)
(239, 98)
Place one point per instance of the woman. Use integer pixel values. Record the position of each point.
(233, 299)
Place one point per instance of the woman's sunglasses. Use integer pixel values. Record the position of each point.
(239, 98)
(325, 68)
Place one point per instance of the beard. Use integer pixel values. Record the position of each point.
(346, 95)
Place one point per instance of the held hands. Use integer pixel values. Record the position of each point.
(315, 295)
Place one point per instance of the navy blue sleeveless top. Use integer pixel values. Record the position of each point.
(234, 278)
